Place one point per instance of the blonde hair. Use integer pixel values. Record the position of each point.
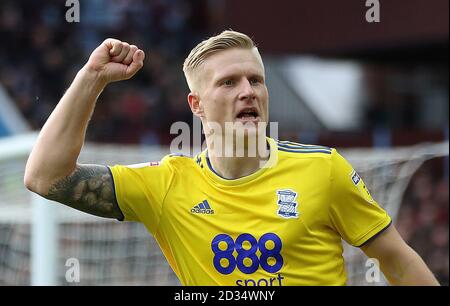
(226, 40)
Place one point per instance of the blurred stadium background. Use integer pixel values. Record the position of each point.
(334, 79)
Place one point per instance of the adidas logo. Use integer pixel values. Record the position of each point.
(202, 208)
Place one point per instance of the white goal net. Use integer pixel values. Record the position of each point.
(115, 253)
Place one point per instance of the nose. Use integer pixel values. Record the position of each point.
(247, 91)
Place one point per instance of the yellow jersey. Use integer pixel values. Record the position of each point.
(281, 225)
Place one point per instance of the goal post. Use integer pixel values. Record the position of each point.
(38, 237)
(44, 239)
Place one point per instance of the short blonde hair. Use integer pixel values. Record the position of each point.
(226, 40)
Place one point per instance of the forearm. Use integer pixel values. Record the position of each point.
(410, 272)
(59, 143)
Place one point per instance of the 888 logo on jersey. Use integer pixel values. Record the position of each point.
(248, 254)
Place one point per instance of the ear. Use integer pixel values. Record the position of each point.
(195, 104)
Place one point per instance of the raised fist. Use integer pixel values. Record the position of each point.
(115, 60)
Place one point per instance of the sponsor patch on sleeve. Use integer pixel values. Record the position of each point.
(142, 165)
(358, 182)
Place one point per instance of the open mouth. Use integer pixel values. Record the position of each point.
(248, 114)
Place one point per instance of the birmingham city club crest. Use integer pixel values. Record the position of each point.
(287, 202)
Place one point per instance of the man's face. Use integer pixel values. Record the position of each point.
(232, 89)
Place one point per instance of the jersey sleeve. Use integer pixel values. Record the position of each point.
(354, 213)
(140, 190)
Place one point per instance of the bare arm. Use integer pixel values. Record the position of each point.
(90, 189)
(52, 169)
(399, 262)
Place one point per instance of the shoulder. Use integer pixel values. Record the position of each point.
(296, 150)
(178, 161)
(313, 161)
(169, 163)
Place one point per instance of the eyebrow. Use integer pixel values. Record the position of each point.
(235, 75)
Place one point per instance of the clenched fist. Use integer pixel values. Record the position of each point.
(115, 60)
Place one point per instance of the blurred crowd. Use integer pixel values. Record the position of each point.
(423, 217)
(42, 52)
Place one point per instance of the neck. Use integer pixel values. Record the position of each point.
(233, 163)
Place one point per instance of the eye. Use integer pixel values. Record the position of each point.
(254, 81)
(228, 82)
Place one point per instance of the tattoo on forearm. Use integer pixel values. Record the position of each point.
(90, 189)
